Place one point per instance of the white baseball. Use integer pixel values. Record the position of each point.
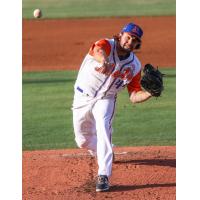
(37, 13)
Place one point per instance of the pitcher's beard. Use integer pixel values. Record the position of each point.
(124, 49)
(128, 50)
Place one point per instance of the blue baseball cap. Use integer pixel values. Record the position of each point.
(133, 29)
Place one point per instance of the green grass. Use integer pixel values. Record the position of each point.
(47, 116)
(98, 8)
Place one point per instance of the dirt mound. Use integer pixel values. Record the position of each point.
(139, 173)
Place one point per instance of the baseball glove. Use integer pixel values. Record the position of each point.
(152, 80)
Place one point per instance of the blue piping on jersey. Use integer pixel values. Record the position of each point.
(113, 111)
(110, 121)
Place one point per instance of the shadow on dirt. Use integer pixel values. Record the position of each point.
(119, 188)
(158, 162)
(89, 187)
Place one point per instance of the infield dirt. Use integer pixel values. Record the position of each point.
(139, 173)
(62, 44)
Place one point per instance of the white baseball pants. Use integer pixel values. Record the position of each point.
(92, 120)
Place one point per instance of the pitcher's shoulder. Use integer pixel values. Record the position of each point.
(137, 62)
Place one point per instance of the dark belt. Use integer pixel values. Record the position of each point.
(79, 89)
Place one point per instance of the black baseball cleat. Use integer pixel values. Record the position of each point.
(102, 183)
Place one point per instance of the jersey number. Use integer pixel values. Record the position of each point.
(119, 83)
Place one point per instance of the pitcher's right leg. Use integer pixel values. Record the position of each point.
(103, 113)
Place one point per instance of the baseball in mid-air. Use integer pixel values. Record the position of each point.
(37, 13)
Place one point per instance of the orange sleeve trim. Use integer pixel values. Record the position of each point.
(104, 44)
(134, 85)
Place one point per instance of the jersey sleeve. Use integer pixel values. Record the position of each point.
(134, 85)
(104, 44)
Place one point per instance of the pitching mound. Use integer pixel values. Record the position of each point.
(140, 173)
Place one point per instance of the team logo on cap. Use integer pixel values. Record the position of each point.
(135, 29)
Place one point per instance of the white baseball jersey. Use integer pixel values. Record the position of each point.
(125, 73)
(95, 99)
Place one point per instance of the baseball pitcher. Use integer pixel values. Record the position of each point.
(109, 67)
